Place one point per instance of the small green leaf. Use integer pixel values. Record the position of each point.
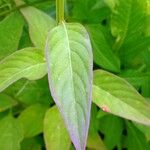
(145, 129)
(109, 125)
(102, 50)
(111, 4)
(90, 8)
(69, 60)
(135, 139)
(140, 80)
(26, 63)
(135, 77)
(55, 133)
(113, 94)
(127, 21)
(131, 50)
(147, 23)
(11, 134)
(39, 24)
(31, 92)
(6, 102)
(31, 144)
(32, 119)
(147, 28)
(10, 33)
(94, 140)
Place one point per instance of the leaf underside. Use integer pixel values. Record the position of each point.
(69, 58)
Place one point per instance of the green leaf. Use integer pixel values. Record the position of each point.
(135, 77)
(25, 40)
(147, 26)
(70, 78)
(111, 4)
(140, 80)
(131, 50)
(127, 21)
(32, 119)
(11, 134)
(94, 140)
(39, 24)
(27, 63)
(102, 50)
(135, 139)
(90, 8)
(145, 58)
(6, 102)
(147, 23)
(10, 33)
(109, 125)
(145, 129)
(31, 92)
(31, 144)
(55, 133)
(113, 94)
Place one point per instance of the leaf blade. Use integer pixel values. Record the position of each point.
(55, 134)
(102, 50)
(138, 137)
(39, 24)
(11, 134)
(32, 119)
(115, 95)
(127, 21)
(27, 63)
(67, 40)
(10, 32)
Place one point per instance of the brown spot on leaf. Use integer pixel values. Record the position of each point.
(105, 108)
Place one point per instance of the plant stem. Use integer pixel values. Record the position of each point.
(59, 10)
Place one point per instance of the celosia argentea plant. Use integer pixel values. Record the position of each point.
(93, 53)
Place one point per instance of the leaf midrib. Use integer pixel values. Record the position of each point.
(71, 73)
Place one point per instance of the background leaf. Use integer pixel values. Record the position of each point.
(94, 140)
(32, 120)
(127, 21)
(11, 133)
(139, 79)
(136, 140)
(55, 133)
(6, 102)
(144, 129)
(39, 24)
(31, 144)
(10, 33)
(27, 63)
(31, 92)
(116, 96)
(102, 50)
(90, 8)
(112, 127)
